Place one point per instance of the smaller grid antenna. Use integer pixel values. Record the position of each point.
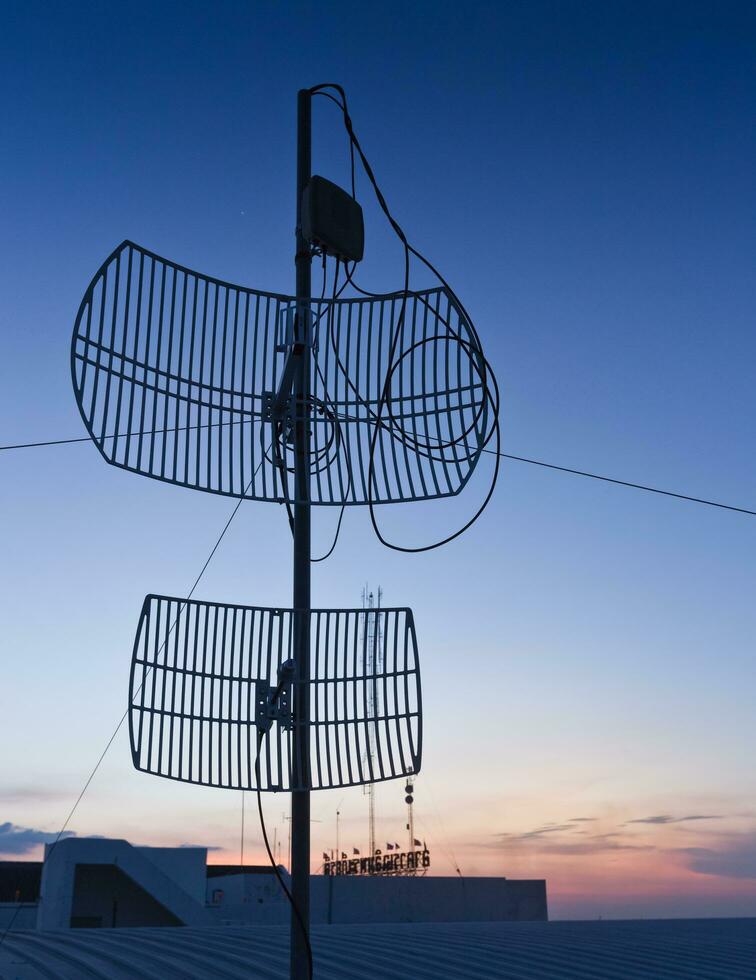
(208, 677)
(374, 662)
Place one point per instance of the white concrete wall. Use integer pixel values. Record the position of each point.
(343, 899)
(56, 899)
(176, 879)
(248, 898)
(351, 899)
(187, 866)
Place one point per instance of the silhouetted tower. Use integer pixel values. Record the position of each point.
(372, 646)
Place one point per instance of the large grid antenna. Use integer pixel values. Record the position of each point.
(187, 379)
(305, 401)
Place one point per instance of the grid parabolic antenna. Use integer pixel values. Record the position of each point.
(174, 373)
(198, 670)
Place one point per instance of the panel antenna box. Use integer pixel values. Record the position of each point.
(332, 220)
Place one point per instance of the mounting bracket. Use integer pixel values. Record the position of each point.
(287, 329)
(274, 703)
(276, 407)
(278, 404)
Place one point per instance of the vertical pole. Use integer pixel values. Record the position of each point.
(300, 800)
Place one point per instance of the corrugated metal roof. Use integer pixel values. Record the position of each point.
(704, 949)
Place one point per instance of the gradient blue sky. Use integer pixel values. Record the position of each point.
(583, 174)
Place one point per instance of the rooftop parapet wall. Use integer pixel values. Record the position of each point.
(429, 899)
(350, 900)
(57, 896)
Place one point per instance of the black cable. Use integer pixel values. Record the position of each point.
(278, 430)
(327, 95)
(395, 225)
(627, 483)
(323, 454)
(469, 349)
(321, 405)
(334, 296)
(426, 449)
(271, 858)
(120, 435)
(409, 249)
(490, 388)
(335, 538)
(70, 815)
(608, 479)
(49, 442)
(517, 459)
(124, 716)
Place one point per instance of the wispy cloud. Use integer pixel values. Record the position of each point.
(30, 794)
(538, 832)
(577, 837)
(665, 818)
(567, 845)
(21, 840)
(597, 845)
(735, 857)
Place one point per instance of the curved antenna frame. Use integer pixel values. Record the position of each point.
(201, 673)
(182, 377)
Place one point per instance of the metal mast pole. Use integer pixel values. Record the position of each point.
(300, 800)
